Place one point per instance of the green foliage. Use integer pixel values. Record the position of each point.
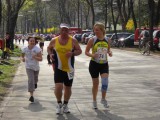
(8, 68)
(16, 52)
(28, 4)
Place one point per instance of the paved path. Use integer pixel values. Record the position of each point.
(133, 94)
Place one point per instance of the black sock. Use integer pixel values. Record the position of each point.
(59, 102)
(65, 102)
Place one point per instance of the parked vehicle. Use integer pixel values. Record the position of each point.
(129, 41)
(156, 38)
(87, 38)
(74, 30)
(86, 31)
(118, 41)
(84, 35)
(77, 37)
(108, 35)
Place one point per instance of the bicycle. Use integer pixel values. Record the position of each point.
(121, 44)
(144, 47)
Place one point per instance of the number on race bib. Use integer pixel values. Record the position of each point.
(70, 75)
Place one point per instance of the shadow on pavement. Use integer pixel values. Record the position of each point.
(35, 107)
(68, 116)
(106, 115)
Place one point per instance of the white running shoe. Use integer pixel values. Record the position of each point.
(58, 109)
(65, 108)
(105, 103)
(94, 104)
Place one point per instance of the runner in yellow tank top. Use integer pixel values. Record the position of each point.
(60, 49)
(64, 63)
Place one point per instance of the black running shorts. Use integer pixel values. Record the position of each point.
(95, 69)
(62, 77)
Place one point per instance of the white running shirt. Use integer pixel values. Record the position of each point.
(29, 61)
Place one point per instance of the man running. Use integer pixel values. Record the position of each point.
(62, 50)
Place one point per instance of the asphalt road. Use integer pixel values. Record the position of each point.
(134, 87)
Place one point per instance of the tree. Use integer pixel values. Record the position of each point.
(13, 7)
(133, 14)
(157, 16)
(124, 16)
(151, 4)
(90, 3)
(0, 12)
(86, 11)
(114, 20)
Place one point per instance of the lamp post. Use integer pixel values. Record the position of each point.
(45, 15)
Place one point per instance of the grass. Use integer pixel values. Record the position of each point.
(8, 69)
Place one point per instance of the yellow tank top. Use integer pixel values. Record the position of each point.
(64, 63)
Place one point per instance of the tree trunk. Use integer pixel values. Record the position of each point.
(133, 15)
(90, 3)
(12, 26)
(113, 19)
(0, 12)
(151, 4)
(106, 7)
(13, 8)
(157, 17)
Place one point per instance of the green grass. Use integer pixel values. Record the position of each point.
(8, 67)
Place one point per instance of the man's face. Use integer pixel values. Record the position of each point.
(64, 31)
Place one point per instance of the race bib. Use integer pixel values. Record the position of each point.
(102, 53)
(70, 75)
(101, 56)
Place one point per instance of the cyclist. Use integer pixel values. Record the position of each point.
(144, 36)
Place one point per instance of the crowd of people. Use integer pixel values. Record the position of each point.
(62, 50)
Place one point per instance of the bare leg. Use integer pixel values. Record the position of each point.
(31, 93)
(58, 91)
(67, 93)
(95, 88)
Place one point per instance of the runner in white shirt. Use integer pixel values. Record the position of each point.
(31, 55)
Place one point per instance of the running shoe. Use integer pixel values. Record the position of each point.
(94, 104)
(58, 108)
(65, 108)
(31, 99)
(105, 103)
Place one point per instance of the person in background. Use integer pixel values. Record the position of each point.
(144, 36)
(31, 55)
(6, 46)
(98, 65)
(41, 42)
(62, 50)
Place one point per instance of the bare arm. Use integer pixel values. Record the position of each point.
(109, 48)
(77, 49)
(88, 47)
(22, 57)
(38, 56)
(51, 46)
